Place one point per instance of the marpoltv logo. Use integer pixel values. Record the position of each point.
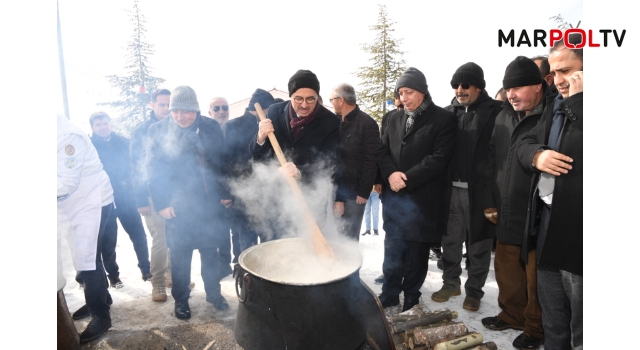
(539, 37)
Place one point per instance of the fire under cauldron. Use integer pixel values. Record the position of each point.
(289, 300)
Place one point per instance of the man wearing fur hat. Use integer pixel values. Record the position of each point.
(476, 113)
(185, 160)
(237, 134)
(517, 293)
(413, 157)
(308, 133)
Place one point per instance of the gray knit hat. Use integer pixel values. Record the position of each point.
(413, 79)
(183, 98)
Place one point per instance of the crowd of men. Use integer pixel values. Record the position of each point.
(457, 177)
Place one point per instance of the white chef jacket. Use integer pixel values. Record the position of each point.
(83, 189)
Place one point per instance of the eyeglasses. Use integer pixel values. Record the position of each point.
(217, 108)
(464, 86)
(335, 98)
(299, 99)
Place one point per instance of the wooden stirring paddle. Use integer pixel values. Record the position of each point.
(322, 247)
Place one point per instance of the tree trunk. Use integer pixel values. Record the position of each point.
(68, 337)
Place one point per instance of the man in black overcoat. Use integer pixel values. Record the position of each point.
(414, 154)
(476, 114)
(307, 132)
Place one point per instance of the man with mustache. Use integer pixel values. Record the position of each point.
(517, 295)
(476, 113)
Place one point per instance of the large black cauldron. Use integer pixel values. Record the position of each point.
(276, 313)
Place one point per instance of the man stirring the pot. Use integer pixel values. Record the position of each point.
(307, 132)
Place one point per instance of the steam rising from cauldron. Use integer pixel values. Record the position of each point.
(275, 213)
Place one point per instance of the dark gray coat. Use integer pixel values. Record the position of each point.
(417, 212)
(484, 112)
(510, 180)
(192, 184)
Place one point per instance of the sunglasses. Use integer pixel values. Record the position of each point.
(464, 86)
(217, 108)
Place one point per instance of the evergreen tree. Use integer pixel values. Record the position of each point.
(386, 65)
(137, 86)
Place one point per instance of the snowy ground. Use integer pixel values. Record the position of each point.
(133, 310)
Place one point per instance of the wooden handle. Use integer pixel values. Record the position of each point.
(320, 244)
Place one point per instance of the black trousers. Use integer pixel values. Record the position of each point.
(132, 224)
(181, 272)
(405, 267)
(96, 292)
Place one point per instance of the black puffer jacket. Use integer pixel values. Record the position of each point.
(359, 141)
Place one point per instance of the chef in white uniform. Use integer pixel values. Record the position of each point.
(85, 200)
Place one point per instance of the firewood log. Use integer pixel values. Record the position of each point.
(424, 319)
(462, 342)
(485, 346)
(432, 335)
(403, 318)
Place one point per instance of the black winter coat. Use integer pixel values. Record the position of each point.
(484, 112)
(510, 180)
(114, 155)
(192, 184)
(416, 213)
(318, 141)
(238, 132)
(562, 248)
(359, 141)
(138, 155)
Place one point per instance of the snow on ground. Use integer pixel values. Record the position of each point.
(133, 308)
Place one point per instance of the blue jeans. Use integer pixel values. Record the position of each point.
(371, 210)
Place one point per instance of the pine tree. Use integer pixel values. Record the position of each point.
(386, 65)
(137, 86)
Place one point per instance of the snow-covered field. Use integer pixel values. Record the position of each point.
(133, 309)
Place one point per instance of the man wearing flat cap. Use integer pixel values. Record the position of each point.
(517, 293)
(413, 157)
(237, 134)
(307, 132)
(476, 112)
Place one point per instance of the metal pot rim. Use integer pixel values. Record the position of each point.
(283, 241)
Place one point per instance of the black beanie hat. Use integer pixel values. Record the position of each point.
(262, 97)
(470, 73)
(521, 72)
(303, 79)
(413, 79)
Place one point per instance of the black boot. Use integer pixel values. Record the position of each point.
(410, 301)
(367, 232)
(375, 232)
(388, 301)
(83, 311)
(182, 310)
(95, 329)
(380, 279)
(219, 302)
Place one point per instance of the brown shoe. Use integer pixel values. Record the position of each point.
(471, 303)
(159, 293)
(445, 293)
